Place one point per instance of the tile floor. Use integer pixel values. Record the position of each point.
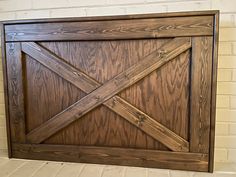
(30, 168)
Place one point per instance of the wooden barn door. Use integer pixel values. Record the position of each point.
(143, 102)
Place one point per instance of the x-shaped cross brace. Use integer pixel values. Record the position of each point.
(106, 94)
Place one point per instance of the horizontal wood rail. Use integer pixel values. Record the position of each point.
(113, 29)
(113, 155)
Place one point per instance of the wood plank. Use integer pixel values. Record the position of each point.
(15, 92)
(200, 104)
(147, 124)
(5, 82)
(117, 104)
(57, 65)
(113, 156)
(213, 91)
(113, 29)
(110, 88)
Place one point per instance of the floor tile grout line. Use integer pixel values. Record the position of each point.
(146, 172)
(17, 168)
(61, 167)
(83, 166)
(125, 171)
(123, 174)
(41, 166)
(102, 170)
(64, 164)
(169, 173)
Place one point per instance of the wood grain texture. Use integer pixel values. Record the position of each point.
(116, 17)
(115, 29)
(148, 124)
(114, 156)
(65, 70)
(5, 83)
(213, 91)
(200, 94)
(15, 92)
(110, 88)
(104, 60)
(77, 70)
(117, 104)
(47, 94)
(166, 92)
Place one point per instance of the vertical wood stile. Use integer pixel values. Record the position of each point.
(200, 104)
(15, 91)
(213, 92)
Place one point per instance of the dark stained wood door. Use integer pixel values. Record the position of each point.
(129, 90)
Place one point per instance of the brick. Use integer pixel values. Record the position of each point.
(3, 143)
(224, 74)
(151, 8)
(69, 12)
(225, 48)
(234, 48)
(222, 101)
(227, 34)
(233, 102)
(112, 2)
(7, 16)
(222, 128)
(232, 128)
(1, 76)
(226, 20)
(232, 155)
(40, 4)
(227, 62)
(225, 115)
(221, 155)
(1, 98)
(234, 75)
(73, 3)
(2, 109)
(226, 88)
(225, 142)
(3, 132)
(100, 11)
(191, 6)
(2, 122)
(1, 86)
(13, 5)
(33, 14)
(224, 5)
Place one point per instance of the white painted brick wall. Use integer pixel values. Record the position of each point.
(226, 98)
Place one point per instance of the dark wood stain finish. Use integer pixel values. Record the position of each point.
(114, 29)
(213, 91)
(86, 154)
(15, 92)
(200, 94)
(135, 90)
